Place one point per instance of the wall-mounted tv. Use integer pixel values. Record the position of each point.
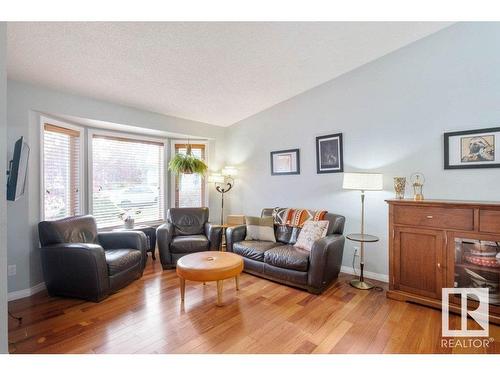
(18, 169)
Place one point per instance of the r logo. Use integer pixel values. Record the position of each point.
(480, 315)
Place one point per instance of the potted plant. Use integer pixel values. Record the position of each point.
(187, 164)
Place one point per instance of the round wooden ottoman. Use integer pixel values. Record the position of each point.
(209, 266)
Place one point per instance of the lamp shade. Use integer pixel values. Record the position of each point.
(362, 181)
(216, 177)
(229, 171)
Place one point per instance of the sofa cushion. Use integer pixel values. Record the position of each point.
(253, 249)
(288, 256)
(189, 244)
(259, 229)
(122, 259)
(283, 233)
(287, 234)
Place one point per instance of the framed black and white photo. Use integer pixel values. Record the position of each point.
(285, 162)
(472, 149)
(329, 154)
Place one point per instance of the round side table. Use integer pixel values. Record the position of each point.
(362, 238)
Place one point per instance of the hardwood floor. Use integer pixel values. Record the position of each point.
(263, 317)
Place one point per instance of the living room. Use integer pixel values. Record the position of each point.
(257, 187)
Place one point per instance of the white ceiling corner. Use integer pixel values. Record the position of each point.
(217, 73)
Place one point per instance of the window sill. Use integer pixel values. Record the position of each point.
(154, 224)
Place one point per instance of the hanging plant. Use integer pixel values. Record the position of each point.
(187, 164)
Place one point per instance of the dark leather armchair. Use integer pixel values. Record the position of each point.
(186, 231)
(281, 261)
(79, 262)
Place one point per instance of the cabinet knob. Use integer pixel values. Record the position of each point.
(429, 216)
(439, 265)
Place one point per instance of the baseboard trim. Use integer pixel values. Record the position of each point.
(367, 274)
(18, 294)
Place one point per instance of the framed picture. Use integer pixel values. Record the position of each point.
(472, 149)
(329, 154)
(285, 162)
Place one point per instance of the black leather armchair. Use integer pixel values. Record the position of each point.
(186, 231)
(281, 261)
(77, 261)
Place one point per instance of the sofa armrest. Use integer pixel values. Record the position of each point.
(235, 234)
(164, 235)
(214, 235)
(75, 270)
(325, 260)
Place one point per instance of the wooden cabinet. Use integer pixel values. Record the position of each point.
(489, 221)
(435, 217)
(431, 246)
(418, 261)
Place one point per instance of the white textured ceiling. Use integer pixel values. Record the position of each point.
(218, 73)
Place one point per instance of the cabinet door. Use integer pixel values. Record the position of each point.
(419, 261)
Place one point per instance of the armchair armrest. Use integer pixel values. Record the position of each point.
(235, 234)
(214, 235)
(325, 260)
(164, 235)
(75, 270)
(129, 239)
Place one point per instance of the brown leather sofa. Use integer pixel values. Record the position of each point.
(79, 262)
(186, 231)
(282, 262)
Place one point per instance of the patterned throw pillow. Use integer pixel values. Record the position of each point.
(311, 232)
(260, 228)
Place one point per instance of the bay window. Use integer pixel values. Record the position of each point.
(127, 176)
(116, 174)
(189, 189)
(62, 171)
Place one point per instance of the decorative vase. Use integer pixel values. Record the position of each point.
(129, 223)
(399, 187)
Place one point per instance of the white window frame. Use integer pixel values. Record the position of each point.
(174, 142)
(90, 178)
(63, 124)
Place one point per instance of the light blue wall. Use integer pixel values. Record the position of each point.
(393, 113)
(3, 211)
(25, 103)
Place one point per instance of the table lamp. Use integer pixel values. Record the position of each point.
(362, 182)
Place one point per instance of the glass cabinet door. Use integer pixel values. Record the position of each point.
(477, 265)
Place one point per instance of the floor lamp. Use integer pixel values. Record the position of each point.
(224, 182)
(362, 182)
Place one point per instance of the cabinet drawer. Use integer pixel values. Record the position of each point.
(435, 217)
(489, 221)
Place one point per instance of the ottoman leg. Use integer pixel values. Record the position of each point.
(237, 279)
(219, 292)
(183, 287)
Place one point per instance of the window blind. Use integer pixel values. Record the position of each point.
(62, 172)
(128, 176)
(190, 188)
